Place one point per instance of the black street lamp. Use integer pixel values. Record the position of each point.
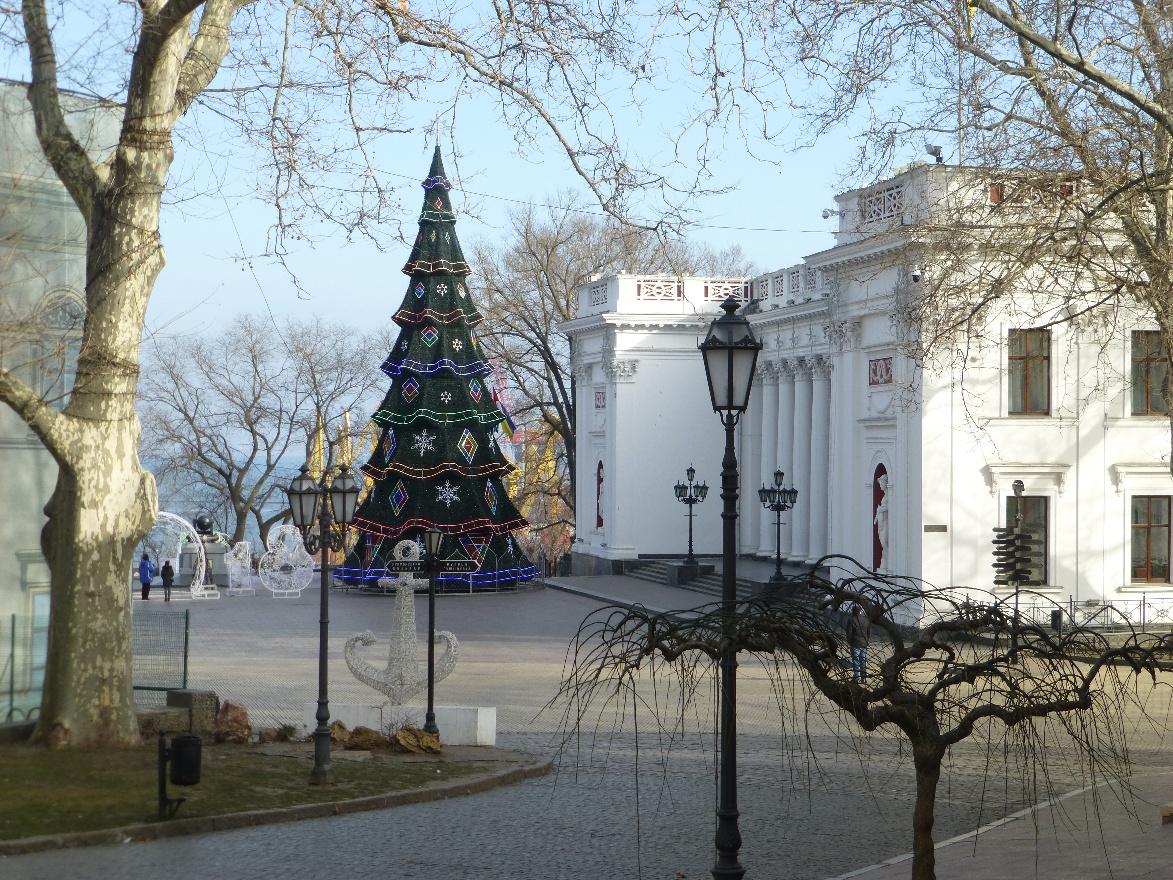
(432, 540)
(332, 505)
(690, 494)
(731, 354)
(777, 499)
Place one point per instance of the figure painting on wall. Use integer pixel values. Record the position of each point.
(880, 519)
(599, 496)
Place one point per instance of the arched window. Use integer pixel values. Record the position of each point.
(60, 316)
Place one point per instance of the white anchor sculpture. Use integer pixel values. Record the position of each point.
(401, 679)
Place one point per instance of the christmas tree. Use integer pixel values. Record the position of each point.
(436, 462)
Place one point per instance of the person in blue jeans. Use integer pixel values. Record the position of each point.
(146, 573)
(858, 631)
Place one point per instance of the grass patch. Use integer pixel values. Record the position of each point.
(54, 792)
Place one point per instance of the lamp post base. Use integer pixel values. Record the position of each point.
(323, 771)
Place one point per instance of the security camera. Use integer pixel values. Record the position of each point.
(935, 151)
(828, 213)
(917, 275)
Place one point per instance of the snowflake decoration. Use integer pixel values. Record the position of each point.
(447, 494)
(457, 345)
(442, 289)
(403, 345)
(424, 442)
(446, 397)
(492, 443)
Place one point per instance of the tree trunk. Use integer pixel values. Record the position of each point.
(927, 762)
(102, 506)
(104, 502)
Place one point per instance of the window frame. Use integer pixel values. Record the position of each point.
(1026, 359)
(1011, 521)
(1147, 527)
(1145, 363)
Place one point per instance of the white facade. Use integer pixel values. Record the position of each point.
(835, 405)
(42, 305)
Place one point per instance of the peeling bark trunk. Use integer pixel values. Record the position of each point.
(104, 501)
(99, 511)
(927, 761)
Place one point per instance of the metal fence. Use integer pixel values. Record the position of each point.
(160, 659)
(1142, 614)
(160, 653)
(22, 669)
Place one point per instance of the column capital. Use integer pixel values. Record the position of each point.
(820, 366)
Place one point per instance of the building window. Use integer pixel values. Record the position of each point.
(1150, 374)
(1030, 372)
(1150, 538)
(1035, 519)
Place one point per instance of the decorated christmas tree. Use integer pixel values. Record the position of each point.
(436, 462)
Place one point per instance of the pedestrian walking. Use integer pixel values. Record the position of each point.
(168, 575)
(858, 632)
(146, 573)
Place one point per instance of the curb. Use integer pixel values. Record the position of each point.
(145, 831)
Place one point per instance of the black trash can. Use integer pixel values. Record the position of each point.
(1057, 620)
(185, 760)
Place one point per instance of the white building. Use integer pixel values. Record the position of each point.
(42, 306)
(908, 473)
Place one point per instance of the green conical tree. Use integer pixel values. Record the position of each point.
(437, 462)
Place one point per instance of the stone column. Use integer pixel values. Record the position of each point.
(800, 516)
(769, 438)
(786, 442)
(820, 448)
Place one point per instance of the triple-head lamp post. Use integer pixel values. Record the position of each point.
(778, 499)
(332, 504)
(690, 493)
(731, 354)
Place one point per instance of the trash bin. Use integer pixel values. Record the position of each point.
(1057, 619)
(185, 760)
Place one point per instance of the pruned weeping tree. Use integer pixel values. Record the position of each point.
(942, 667)
(321, 88)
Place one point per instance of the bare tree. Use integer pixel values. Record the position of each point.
(1060, 115)
(321, 87)
(940, 668)
(529, 288)
(230, 414)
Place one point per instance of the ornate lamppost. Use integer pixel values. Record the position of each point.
(731, 354)
(777, 499)
(690, 493)
(332, 505)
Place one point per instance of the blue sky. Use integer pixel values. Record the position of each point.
(773, 211)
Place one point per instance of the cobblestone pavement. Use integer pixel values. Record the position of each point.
(815, 803)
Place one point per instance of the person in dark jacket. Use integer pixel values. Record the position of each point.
(858, 632)
(146, 573)
(168, 575)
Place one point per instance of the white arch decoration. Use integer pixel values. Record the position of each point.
(171, 537)
(286, 569)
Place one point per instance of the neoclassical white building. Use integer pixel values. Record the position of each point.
(42, 306)
(906, 471)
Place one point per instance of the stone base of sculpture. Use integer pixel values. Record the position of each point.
(459, 725)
